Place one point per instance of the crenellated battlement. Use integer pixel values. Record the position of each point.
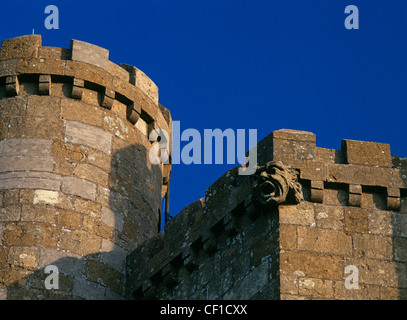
(357, 166)
(83, 67)
(229, 243)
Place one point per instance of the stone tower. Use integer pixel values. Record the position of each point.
(311, 223)
(77, 188)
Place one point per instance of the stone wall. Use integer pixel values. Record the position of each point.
(219, 247)
(353, 226)
(345, 226)
(77, 189)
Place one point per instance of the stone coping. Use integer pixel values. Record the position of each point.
(85, 66)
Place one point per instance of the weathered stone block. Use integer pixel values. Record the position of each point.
(113, 255)
(90, 53)
(316, 288)
(26, 258)
(329, 155)
(373, 246)
(107, 276)
(30, 180)
(38, 106)
(356, 220)
(79, 187)
(119, 127)
(132, 115)
(367, 153)
(399, 224)
(289, 284)
(40, 66)
(295, 135)
(380, 222)
(79, 242)
(35, 128)
(38, 213)
(312, 265)
(54, 53)
(13, 107)
(97, 227)
(13, 279)
(16, 163)
(10, 213)
(79, 133)
(293, 144)
(357, 174)
(291, 214)
(119, 72)
(91, 173)
(141, 80)
(8, 67)
(45, 197)
(376, 272)
(28, 148)
(88, 72)
(20, 47)
(355, 188)
(112, 219)
(324, 240)
(10, 197)
(85, 289)
(69, 219)
(68, 150)
(99, 159)
(288, 237)
(82, 112)
(26, 196)
(365, 292)
(30, 234)
(88, 207)
(64, 167)
(329, 217)
(92, 97)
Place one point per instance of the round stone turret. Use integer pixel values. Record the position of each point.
(77, 189)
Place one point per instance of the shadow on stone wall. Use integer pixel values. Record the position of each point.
(97, 275)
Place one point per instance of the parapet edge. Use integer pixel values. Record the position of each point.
(82, 61)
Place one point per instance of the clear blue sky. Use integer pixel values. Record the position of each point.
(262, 65)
